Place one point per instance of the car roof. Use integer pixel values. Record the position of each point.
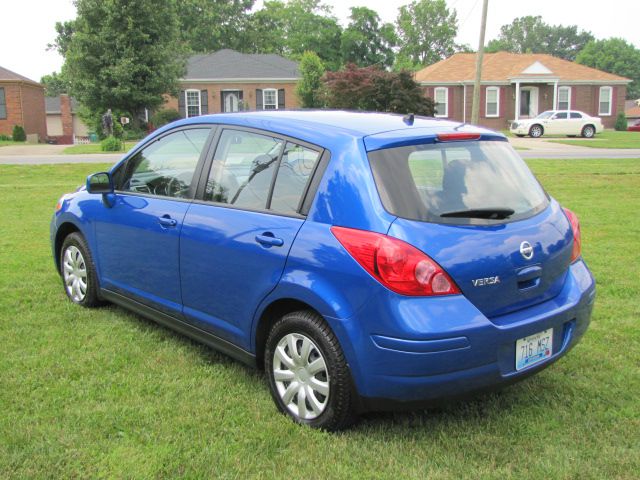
(320, 126)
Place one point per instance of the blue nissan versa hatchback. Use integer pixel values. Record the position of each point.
(366, 261)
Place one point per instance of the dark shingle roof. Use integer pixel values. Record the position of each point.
(52, 105)
(8, 75)
(229, 64)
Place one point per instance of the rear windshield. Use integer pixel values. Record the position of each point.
(461, 182)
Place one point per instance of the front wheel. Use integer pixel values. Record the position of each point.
(78, 271)
(536, 131)
(588, 131)
(308, 375)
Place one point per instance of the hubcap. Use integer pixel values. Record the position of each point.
(301, 376)
(75, 274)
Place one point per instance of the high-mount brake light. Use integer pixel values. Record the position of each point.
(397, 265)
(457, 137)
(577, 236)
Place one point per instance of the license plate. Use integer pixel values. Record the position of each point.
(534, 349)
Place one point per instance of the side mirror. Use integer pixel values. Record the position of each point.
(100, 183)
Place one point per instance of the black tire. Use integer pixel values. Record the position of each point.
(338, 410)
(536, 131)
(73, 243)
(520, 135)
(588, 131)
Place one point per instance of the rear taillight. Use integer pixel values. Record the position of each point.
(577, 238)
(396, 264)
(457, 137)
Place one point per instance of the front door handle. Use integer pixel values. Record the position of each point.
(268, 239)
(167, 221)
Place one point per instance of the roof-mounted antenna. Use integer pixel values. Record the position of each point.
(460, 126)
(408, 119)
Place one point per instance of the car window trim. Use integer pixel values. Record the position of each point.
(199, 197)
(197, 173)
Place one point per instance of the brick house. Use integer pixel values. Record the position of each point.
(64, 125)
(21, 103)
(229, 81)
(516, 86)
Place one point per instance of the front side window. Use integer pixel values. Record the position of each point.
(441, 98)
(3, 104)
(165, 167)
(605, 101)
(192, 102)
(564, 98)
(270, 99)
(456, 183)
(493, 101)
(561, 116)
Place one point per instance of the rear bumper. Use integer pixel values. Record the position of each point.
(449, 349)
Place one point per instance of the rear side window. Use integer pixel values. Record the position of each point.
(259, 172)
(575, 115)
(430, 182)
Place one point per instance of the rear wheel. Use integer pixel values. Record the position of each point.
(308, 375)
(78, 271)
(536, 131)
(588, 131)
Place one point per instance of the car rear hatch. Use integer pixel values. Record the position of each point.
(474, 207)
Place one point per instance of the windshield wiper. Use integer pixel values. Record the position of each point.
(490, 213)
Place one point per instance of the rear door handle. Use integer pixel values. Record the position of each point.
(268, 239)
(167, 221)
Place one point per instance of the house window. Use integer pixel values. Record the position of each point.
(605, 101)
(3, 104)
(492, 102)
(269, 99)
(192, 101)
(441, 95)
(564, 98)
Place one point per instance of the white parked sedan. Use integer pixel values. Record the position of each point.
(558, 122)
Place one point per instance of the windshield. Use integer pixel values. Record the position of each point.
(461, 182)
(546, 114)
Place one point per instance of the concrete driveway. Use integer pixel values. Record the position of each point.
(542, 148)
(48, 154)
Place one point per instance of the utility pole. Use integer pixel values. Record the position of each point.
(475, 108)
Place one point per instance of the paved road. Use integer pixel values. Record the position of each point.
(49, 159)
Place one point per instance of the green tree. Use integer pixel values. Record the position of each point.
(366, 41)
(531, 35)
(374, 89)
(309, 87)
(124, 54)
(292, 28)
(426, 30)
(64, 31)
(55, 84)
(617, 56)
(209, 25)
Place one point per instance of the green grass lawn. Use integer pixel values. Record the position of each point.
(606, 139)
(5, 143)
(105, 393)
(94, 148)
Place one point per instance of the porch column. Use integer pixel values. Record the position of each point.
(555, 95)
(517, 100)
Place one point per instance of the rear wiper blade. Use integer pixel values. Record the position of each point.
(491, 213)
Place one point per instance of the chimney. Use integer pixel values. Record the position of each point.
(67, 120)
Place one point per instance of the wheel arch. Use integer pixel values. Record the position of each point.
(64, 230)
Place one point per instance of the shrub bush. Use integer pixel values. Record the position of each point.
(111, 144)
(621, 122)
(19, 134)
(5, 138)
(162, 117)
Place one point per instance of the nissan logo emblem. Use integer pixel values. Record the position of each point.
(526, 250)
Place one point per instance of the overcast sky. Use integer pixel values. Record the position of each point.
(28, 25)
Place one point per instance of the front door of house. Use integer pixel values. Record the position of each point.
(528, 102)
(231, 100)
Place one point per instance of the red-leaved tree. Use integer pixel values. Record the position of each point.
(376, 90)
